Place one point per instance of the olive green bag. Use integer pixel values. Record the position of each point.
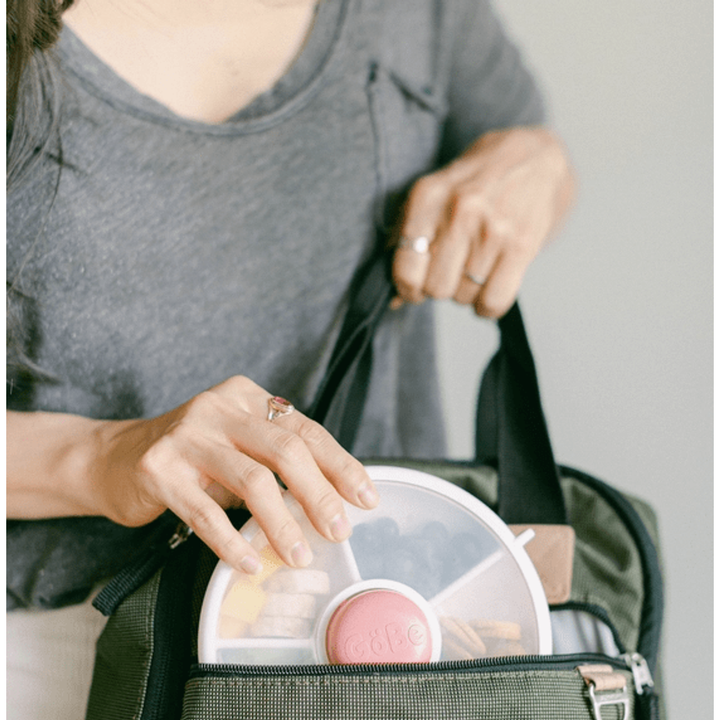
(604, 575)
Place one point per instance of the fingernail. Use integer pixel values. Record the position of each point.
(301, 554)
(251, 565)
(340, 527)
(368, 496)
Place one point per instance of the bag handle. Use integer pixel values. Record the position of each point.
(510, 427)
(510, 431)
(340, 398)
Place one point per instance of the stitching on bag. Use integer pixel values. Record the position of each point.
(374, 680)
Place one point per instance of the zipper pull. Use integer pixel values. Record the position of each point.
(182, 532)
(640, 670)
(131, 577)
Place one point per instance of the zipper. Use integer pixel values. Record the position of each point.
(172, 647)
(133, 576)
(641, 672)
(647, 702)
(518, 663)
(653, 600)
(182, 532)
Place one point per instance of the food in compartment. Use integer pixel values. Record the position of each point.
(470, 639)
(245, 599)
(461, 639)
(277, 602)
(279, 626)
(427, 559)
(241, 607)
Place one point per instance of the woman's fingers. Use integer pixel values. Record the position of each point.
(309, 451)
(416, 244)
(176, 481)
(498, 294)
(488, 213)
(261, 494)
(284, 452)
(222, 448)
(226, 439)
(345, 472)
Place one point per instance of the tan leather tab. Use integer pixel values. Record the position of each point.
(551, 551)
(602, 677)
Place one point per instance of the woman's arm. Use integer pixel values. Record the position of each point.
(211, 453)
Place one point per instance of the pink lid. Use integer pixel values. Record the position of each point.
(378, 626)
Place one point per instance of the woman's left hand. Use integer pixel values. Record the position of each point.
(470, 230)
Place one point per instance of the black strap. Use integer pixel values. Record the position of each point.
(510, 425)
(510, 430)
(340, 399)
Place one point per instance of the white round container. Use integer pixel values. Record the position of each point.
(430, 574)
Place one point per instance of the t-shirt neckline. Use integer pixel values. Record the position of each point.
(290, 92)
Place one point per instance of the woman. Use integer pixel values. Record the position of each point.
(213, 175)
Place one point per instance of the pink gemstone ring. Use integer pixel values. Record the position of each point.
(277, 407)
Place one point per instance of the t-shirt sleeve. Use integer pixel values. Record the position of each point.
(490, 86)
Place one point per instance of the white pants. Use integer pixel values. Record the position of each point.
(50, 656)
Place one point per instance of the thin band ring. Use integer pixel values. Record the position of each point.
(476, 279)
(419, 244)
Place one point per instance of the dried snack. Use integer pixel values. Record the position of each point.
(497, 629)
(460, 632)
(452, 650)
(244, 601)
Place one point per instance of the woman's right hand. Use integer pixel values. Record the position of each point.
(218, 450)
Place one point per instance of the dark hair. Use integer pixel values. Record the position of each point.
(32, 28)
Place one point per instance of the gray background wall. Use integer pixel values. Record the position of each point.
(619, 307)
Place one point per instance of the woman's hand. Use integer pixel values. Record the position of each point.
(217, 450)
(471, 229)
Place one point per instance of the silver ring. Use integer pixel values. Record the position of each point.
(277, 407)
(476, 278)
(420, 244)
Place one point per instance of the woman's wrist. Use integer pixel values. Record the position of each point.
(51, 465)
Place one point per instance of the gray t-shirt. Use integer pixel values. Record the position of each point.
(169, 254)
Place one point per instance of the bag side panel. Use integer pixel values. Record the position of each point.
(607, 569)
(123, 657)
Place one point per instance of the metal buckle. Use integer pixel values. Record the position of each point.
(613, 689)
(612, 697)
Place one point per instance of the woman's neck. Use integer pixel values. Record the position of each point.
(203, 60)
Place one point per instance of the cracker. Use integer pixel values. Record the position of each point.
(501, 629)
(463, 634)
